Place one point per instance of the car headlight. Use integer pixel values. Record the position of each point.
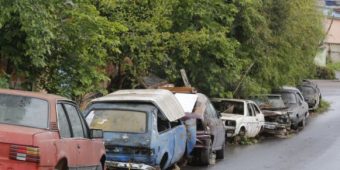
(230, 123)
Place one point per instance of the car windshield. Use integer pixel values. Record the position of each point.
(117, 121)
(233, 107)
(23, 111)
(276, 102)
(307, 91)
(288, 98)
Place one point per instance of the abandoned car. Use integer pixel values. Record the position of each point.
(210, 131)
(210, 136)
(43, 131)
(297, 107)
(142, 128)
(275, 113)
(311, 94)
(240, 117)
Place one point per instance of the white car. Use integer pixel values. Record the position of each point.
(240, 117)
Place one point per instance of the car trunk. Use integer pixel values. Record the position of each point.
(128, 147)
(11, 135)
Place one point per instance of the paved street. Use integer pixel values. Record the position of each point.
(316, 147)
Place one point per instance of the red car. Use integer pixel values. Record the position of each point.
(46, 132)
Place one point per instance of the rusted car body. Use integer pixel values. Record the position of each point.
(43, 131)
(240, 117)
(142, 128)
(210, 132)
(210, 139)
(275, 113)
(297, 106)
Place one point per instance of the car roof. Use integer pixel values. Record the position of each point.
(40, 95)
(163, 99)
(234, 100)
(287, 89)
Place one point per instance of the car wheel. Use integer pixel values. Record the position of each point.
(61, 166)
(206, 154)
(220, 153)
(302, 124)
(294, 126)
(242, 132)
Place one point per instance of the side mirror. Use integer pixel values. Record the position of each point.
(96, 133)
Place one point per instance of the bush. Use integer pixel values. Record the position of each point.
(4, 82)
(325, 73)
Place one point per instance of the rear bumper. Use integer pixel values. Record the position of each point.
(20, 165)
(126, 165)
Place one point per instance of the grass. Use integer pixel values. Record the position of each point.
(323, 107)
(334, 66)
(237, 140)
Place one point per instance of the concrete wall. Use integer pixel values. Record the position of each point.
(334, 52)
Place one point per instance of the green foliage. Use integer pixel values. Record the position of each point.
(65, 47)
(4, 82)
(59, 46)
(325, 73)
(334, 66)
(324, 106)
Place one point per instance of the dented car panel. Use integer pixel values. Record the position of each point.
(241, 117)
(275, 113)
(158, 144)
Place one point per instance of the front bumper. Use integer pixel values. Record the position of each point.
(127, 165)
(276, 128)
(230, 131)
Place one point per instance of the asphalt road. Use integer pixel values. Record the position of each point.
(314, 148)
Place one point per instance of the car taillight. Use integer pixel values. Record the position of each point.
(24, 153)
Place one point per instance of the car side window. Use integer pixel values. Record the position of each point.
(162, 123)
(250, 110)
(211, 111)
(76, 124)
(63, 125)
(300, 97)
(256, 109)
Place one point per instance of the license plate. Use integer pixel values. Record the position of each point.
(269, 126)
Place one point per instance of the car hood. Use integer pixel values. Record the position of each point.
(230, 116)
(274, 112)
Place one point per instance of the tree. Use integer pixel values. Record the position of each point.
(61, 47)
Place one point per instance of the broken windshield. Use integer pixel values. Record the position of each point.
(233, 107)
(117, 120)
(288, 98)
(307, 91)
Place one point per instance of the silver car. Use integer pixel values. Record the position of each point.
(297, 106)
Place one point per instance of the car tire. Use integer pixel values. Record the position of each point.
(220, 153)
(206, 154)
(302, 123)
(294, 126)
(61, 166)
(242, 132)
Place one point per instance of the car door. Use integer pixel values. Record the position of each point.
(66, 146)
(165, 140)
(87, 154)
(303, 105)
(180, 138)
(258, 118)
(251, 119)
